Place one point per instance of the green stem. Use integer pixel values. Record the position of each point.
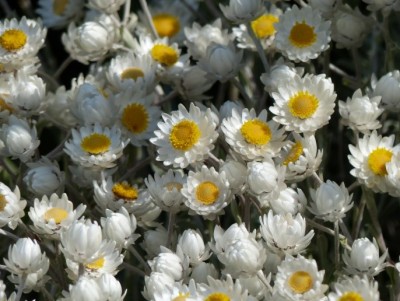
(259, 47)
(149, 18)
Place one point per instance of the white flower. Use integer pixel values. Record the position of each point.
(169, 263)
(301, 157)
(289, 201)
(119, 227)
(58, 108)
(106, 6)
(110, 288)
(363, 259)
(325, 7)
(86, 288)
(369, 159)
(207, 192)
(51, 216)
(137, 117)
(330, 201)
(252, 136)
(153, 240)
(90, 41)
(227, 108)
(198, 38)
(44, 177)
(221, 62)
(83, 242)
(58, 14)
(304, 104)
(302, 34)
(135, 71)
(262, 176)
(393, 175)
(156, 283)
(385, 5)
(166, 190)
(243, 11)
(18, 139)
(349, 27)
(25, 257)
(89, 105)
(388, 87)
(355, 288)
(95, 146)
(185, 137)
(299, 279)
(11, 206)
(20, 41)
(236, 173)
(285, 234)
(201, 272)
(177, 290)
(192, 245)
(360, 112)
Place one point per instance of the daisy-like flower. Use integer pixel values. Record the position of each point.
(369, 159)
(301, 157)
(298, 278)
(90, 41)
(59, 13)
(363, 259)
(18, 139)
(107, 263)
(44, 177)
(302, 34)
(263, 28)
(185, 137)
(355, 288)
(360, 112)
(191, 243)
(11, 206)
(20, 41)
(198, 37)
(52, 215)
(243, 11)
(207, 192)
(330, 201)
(137, 117)
(177, 291)
(95, 146)
(252, 136)
(114, 195)
(285, 234)
(304, 104)
(165, 190)
(388, 87)
(221, 62)
(127, 70)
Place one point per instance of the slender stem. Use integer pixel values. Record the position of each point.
(357, 66)
(246, 213)
(46, 293)
(353, 186)
(359, 217)
(171, 223)
(62, 67)
(345, 231)
(259, 47)
(58, 149)
(21, 287)
(49, 79)
(12, 171)
(388, 43)
(172, 95)
(130, 172)
(337, 245)
(213, 10)
(133, 269)
(316, 176)
(149, 18)
(127, 11)
(139, 257)
(214, 158)
(322, 228)
(8, 234)
(247, 100)
(262, 278)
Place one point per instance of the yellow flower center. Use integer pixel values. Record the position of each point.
(300, 282)
(351, 296)
(96, 143)
(13, 39)
(263, 26)
(59, 6)
(302, 35)
(56, 214)
(3, 202)
(4, 106)
(181, 297)
(96, 265)
(256, 132)
(164, 54)
(184, 135)
(217, 297)
(135, 118)
(207, 193)
(132, 73)
(303, 105)
(294, 153)
(166, 25)
(377, 160)
(125, 191)
(173, 185)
